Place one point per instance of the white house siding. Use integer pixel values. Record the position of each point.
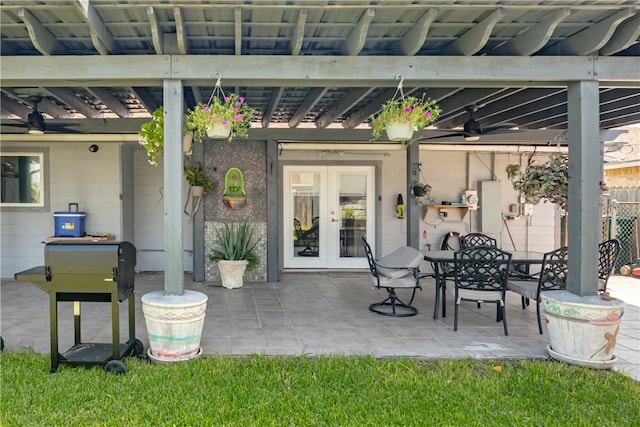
(76, 176)
(93, 180)
(148, 205)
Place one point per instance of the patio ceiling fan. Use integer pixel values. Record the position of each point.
(472, 130)
(36, 124)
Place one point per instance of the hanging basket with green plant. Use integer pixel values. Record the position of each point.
(548, 181)
(195, 176)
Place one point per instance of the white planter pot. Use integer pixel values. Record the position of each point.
(174, 324)
(187, 140)
(197, 190)
(582, 330)
(219, 130)
(399, 131)
(232, 273)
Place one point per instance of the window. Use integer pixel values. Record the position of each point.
(24, 179)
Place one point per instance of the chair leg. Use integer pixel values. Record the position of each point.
(539, 319)
(398, 307)
(444, 298)
(523, 303)
(455, 316)
(504, 316)
(436, 306)
(413, 295)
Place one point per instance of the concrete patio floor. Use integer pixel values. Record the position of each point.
(316, 313)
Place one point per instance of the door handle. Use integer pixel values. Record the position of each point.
(334, 220)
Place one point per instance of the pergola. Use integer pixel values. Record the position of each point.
(316, 70)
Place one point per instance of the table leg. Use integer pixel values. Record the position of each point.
(436, 270)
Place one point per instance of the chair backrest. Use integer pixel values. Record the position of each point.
(370, 259)
(482, 268)
(400, 263)
(477, 239)
(553, 273)
(607, 256)
(450, 242)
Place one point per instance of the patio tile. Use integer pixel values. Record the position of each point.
(315, 314)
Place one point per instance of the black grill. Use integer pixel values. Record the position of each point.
(88, 271)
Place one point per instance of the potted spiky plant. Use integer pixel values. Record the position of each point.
(234, 252)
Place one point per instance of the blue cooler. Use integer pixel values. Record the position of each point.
(69, 224)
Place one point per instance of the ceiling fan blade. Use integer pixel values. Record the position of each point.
(61, 128)
(448, 135)
(499, 127)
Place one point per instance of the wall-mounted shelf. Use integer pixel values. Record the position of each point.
(464, 209)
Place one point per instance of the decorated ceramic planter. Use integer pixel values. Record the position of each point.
(174, 324)
(582, 330)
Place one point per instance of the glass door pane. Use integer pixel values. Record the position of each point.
(305, 201)
(352, 199)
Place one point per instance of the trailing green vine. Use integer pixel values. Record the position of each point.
(548, 181)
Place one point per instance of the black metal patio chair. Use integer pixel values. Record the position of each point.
(553, 276)
(481, 276)
(398, 270)
(607, 256)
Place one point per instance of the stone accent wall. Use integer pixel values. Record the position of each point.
(250, 158)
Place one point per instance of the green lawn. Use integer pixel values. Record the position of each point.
(302, 391)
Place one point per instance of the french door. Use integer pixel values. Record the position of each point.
(327, 210)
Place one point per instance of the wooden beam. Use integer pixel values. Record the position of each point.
(110, 101)
(67, 97)
(41, 38)
(146, 98)
(591, 39)
(11, 106)
(312, 99)
(181, 33)
(156, 36)
(358, 36)
(237, 29)
(414, 39)
(625, 36)
(100, 36)
(349, 100)
(274, 99)
(474, 39)
(535, 37)
(297, 37)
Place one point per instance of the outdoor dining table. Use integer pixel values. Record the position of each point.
(440, 257)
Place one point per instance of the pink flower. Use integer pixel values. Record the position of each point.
(238, 103)
(224, 123)
(238, 117)
(427, 114)
(241, 100)
(226, 99)
(205, 109)
(407, 109)
(235, 110)
(210, 118)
